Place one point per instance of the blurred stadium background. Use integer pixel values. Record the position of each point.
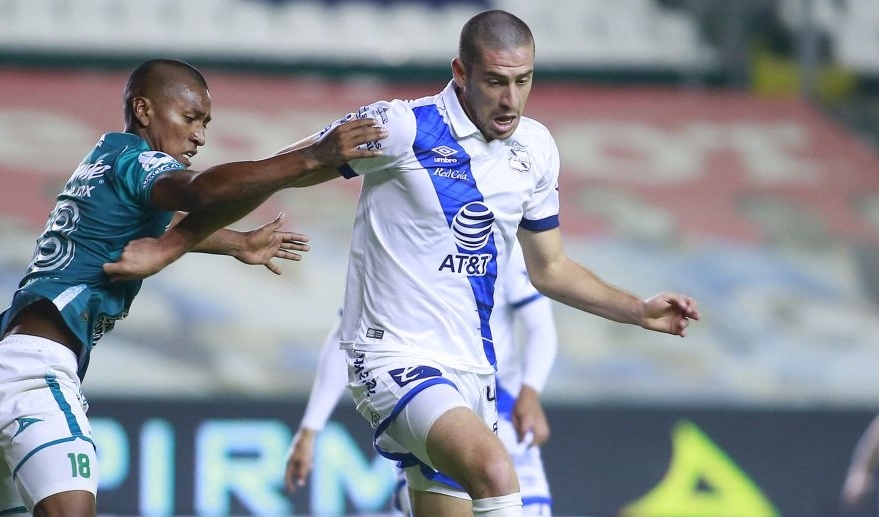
(727, 149)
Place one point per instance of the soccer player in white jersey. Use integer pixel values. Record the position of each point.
(461, 175)
(523, 368)
(128, 187)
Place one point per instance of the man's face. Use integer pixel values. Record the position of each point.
(494, 91)
(178, 120)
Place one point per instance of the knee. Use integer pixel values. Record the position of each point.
(495, 475)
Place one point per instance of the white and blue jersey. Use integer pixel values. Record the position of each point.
(437, 217)
(104, 205)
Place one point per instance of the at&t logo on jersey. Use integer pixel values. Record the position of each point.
(471, 227)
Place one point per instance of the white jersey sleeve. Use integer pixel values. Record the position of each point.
(541, 212)
(330, 381)
(540, 342)
(395, 116)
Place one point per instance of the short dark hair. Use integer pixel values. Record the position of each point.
(155, 73)
(493, 29)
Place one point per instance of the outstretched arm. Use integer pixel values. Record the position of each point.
(329, 383)
(232, 187)
(554, 274)
(224, 194)
(144, 257)
(258, 246)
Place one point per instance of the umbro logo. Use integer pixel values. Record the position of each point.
(444, 150)
(445, 154)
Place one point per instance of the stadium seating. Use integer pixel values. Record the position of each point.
(851, 26)
(571, 33)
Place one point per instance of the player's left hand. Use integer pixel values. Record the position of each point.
(528, 417)
(267, 242)
(141, 258)
(670, 313)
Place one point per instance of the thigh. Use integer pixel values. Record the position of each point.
(463, 447)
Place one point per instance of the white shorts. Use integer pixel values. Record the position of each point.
(534, 488)
(45, 438)
(533, 485)
(401, 397)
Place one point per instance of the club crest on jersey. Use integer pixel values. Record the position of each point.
(471, 228)
(404, 376)
(520, 158)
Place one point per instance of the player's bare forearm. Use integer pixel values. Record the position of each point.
(235, 188)
(254, 247)
(572, 284)
(205, 231)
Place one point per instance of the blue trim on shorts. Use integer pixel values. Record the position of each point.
(14, 510)
(395, 499)
(527, 501)
(438, 477)
(55, 388)
(405, 459)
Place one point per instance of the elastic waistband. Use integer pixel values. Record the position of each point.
(26, 342)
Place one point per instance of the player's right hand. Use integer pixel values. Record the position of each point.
(299, 459)
(352, 139)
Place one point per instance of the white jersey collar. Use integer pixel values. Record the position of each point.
(461, 124)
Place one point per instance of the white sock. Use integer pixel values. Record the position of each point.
(503, 506)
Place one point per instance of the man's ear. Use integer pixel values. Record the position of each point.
(140, 106)
(458, 72)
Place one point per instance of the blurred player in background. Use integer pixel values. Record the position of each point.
(128, 187)
(462, 174)
(860, 480)
(524, 366)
